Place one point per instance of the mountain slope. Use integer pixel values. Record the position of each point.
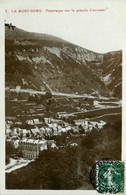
(39, 61)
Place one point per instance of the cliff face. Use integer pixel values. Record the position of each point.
(36, 61)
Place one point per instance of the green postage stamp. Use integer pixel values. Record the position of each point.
(109, 177)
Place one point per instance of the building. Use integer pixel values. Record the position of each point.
(16, 143)
(47, 120)
(36, 121)
(29, 122)
(42, 130)
(31, 148)
(18, 87)
(33, 133)
(8, 133)
(80, 122)
(48, 131)
(101, 124)
(14, 132)
(24, 132)
(55, 131)
(18, 123)
(51, 144)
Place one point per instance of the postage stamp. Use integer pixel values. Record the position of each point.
(108, 176)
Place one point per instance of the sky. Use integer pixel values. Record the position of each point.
(97, 31)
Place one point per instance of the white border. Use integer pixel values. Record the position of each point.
(16, 3)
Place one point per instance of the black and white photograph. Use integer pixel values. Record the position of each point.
(63, 92)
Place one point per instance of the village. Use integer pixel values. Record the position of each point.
(40, 135)
(38, 122)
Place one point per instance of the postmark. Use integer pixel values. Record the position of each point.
(108, 176)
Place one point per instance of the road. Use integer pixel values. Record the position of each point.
(16, 164)
(30, 91)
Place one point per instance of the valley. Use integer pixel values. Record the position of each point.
(63, 111)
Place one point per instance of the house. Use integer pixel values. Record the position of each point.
(40, 114)
(42, 130)
(57, 121)
(59, 127)
(48, 131)
(7, 126)
(68, 128)
(29, 133)
(35, 131)
(55, 132)
(63, 130)
(24, 132)
(16, 143)
(8, 133)
(90, 127)
(31, 111)
(43, 145)
(65, 124)
(19, 131)
(14, 132)
(29, 122)
(47, 120)
(9, 122)
(31, 148)
(101, 124)
(18, 123)
(55, 125)
(18, 87)
(51, 144)
(74, 130)
(36, 121)
(94, 123)
(80, 122)
(50, 125)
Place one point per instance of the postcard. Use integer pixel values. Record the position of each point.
(63, 97)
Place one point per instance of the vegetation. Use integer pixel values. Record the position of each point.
(69, 167)
(9, 151)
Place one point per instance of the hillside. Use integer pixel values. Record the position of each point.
(40, 62)
(81, 115)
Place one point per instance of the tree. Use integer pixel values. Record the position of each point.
(9, 151)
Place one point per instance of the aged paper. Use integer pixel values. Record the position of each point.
(62, 97)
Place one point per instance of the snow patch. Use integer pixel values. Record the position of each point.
(43, 59)
(39, 59)
(107, 79)
(54, 50)
(21, 58)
